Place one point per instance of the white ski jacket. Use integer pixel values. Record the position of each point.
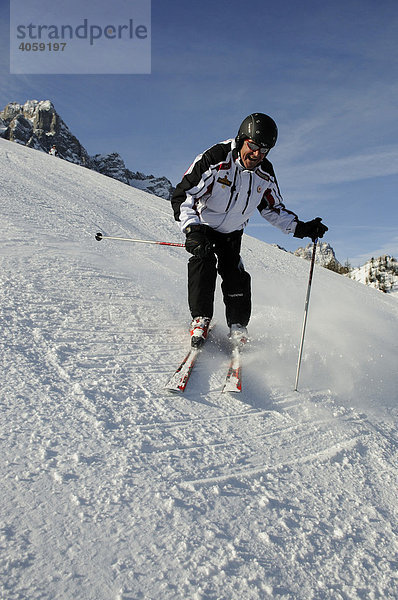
(218, 191)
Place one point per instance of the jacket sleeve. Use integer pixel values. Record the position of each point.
(274, 211)
(197, 181)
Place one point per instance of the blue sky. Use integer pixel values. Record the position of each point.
(327, 73)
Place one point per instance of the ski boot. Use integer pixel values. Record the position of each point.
(238, 335)
(199, 330)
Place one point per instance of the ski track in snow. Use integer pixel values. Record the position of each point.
(115, 489)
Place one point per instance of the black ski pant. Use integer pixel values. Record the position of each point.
(235, 286)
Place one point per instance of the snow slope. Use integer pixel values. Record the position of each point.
(113, 489)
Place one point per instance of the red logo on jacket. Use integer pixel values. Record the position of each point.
(270, 199)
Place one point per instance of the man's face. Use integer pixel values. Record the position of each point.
(251, 158)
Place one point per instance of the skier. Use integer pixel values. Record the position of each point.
(53, 151)
(213, 202)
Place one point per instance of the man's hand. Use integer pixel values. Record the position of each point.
(196, 242)
(313, 229)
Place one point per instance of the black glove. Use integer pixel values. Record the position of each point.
(196, 241)
(313, 229)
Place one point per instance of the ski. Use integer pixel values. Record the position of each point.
(233, 380)
(178, 382)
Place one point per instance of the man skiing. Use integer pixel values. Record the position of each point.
(213, 203)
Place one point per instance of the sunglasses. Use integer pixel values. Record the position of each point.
(256, 147)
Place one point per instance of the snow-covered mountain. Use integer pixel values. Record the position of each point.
(38, 125)
(380, 273)
(114, 490)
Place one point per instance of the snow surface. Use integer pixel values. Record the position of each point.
(114, 489)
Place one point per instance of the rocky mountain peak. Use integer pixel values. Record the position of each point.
(37, 124)
(325, 256)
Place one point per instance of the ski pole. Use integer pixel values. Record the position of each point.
(307, 301)
(99, 236)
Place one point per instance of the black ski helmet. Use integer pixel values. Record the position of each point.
(260, 128)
